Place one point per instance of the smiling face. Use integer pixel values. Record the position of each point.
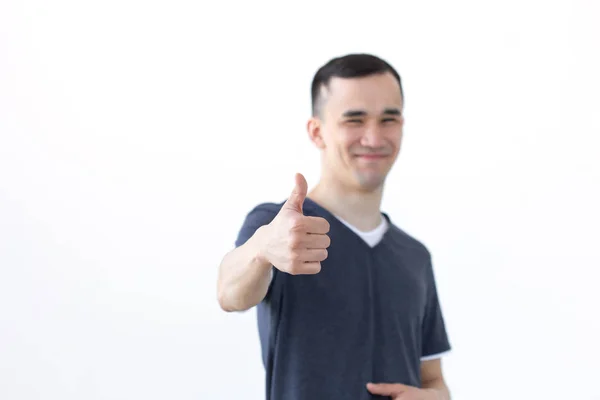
(359, 129)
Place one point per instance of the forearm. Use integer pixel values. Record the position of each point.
(439, 387)
(244, 276)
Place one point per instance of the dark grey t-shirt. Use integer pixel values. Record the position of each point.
(370, 315)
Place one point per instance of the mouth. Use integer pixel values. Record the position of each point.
(371, 156)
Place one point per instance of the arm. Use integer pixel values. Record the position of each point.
(244, 275)
(287, 239)
(433, 379)
(435, 341)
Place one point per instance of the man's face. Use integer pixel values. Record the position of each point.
(360, 129)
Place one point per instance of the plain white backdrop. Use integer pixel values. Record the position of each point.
(135, 136)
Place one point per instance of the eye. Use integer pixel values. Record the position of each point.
(388, 120)
(354, 121)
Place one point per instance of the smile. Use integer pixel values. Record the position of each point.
(371, 156)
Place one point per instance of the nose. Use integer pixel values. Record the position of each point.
(372, 137)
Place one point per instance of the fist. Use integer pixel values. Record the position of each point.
(296, 243)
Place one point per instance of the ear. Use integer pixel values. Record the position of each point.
(314, 129)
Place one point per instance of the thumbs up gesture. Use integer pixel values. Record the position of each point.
(296, 243)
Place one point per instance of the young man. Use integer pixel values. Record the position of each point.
(346, 301)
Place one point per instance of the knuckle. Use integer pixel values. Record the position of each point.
(296, 224)
(294, 268)
(294, 256)
(294, 241)
(317, 268)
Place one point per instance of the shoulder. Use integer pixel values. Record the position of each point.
(261, 214)
(271, 209)
(267, 210)
(408, 242)
(310, 208)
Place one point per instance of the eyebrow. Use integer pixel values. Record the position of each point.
(361, 113)
(392, 111)
(354, 113)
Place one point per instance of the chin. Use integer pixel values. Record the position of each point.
(370, 183)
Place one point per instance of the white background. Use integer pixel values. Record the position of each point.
(135, 136)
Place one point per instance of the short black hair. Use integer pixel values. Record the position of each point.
(349, 66)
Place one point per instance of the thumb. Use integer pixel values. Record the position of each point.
(386, 389)
(296, 199)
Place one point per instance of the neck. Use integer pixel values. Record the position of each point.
(359, 208)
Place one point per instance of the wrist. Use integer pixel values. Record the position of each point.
(434, 394)
(260, 247)
(438, 394)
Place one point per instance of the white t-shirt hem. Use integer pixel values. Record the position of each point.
(435, 356)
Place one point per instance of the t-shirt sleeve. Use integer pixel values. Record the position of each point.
(435, 337)
(261, 215)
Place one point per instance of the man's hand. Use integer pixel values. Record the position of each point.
(398, 391)
(295, 243)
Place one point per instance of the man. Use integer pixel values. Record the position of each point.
(346, 301)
